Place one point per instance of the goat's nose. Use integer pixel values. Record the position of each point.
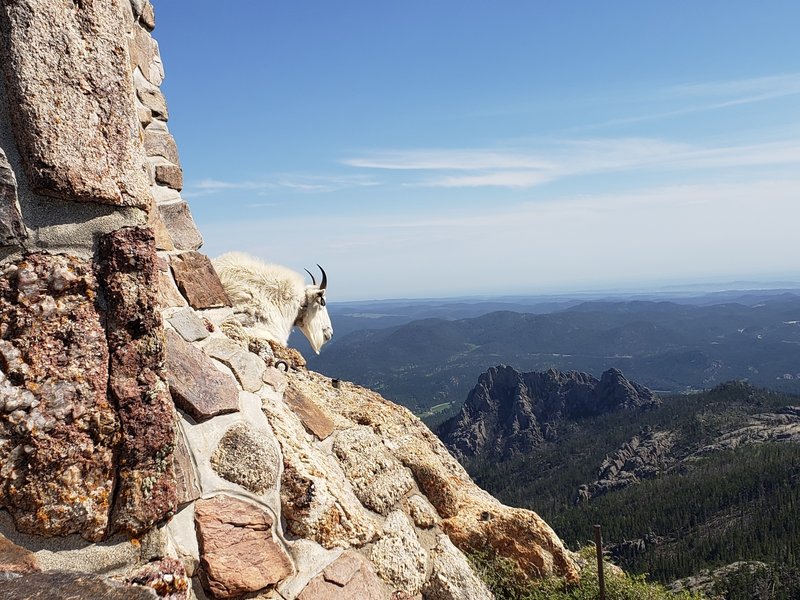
(327, 334)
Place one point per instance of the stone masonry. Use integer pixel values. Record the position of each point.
(128, 416)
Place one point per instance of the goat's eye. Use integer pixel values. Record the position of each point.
(321, 301)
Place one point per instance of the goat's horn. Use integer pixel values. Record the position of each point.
(324, 282)
(314, 281)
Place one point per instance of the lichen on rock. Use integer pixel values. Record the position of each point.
(316, 499)
(57, 428)
(128, 272)
(470, 516)
(247, 457)
(398, 556)
(378, 478)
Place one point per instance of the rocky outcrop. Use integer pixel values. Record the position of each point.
(653, 453)
(780, 427)
(470, 517)
(709, 581)
(509, 412)
(645, 456)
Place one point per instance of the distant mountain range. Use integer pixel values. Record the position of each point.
(665, 345)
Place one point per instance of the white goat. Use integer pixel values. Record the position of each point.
(270, 299)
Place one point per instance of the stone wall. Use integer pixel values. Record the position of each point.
(87, 428)
(143, 441)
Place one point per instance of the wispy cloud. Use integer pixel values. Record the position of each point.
(778, 197)
(506, 179)
(646, 234)
(570, 158)
(710, 96)
(280, 183)
(442, 159)
(771, 86)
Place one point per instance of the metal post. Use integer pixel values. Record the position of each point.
(598, 542)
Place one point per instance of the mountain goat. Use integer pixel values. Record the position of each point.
(270, 299)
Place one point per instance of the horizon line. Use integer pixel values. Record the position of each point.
(699, 288)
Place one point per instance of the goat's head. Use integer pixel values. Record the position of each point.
(313, 319)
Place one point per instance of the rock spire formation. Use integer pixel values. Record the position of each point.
(508, 412)
(143, 451)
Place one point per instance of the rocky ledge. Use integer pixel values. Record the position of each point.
(292, 486)
(780, 427)
(643, 457)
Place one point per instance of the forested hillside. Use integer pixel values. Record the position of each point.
(727, 489)
(670, 347)
(704, 485)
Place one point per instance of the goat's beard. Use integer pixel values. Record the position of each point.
(315, 337)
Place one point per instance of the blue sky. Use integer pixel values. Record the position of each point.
(446, 148)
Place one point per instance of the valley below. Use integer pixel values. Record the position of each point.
(673, 424)
(426, 355)
(700, 481)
